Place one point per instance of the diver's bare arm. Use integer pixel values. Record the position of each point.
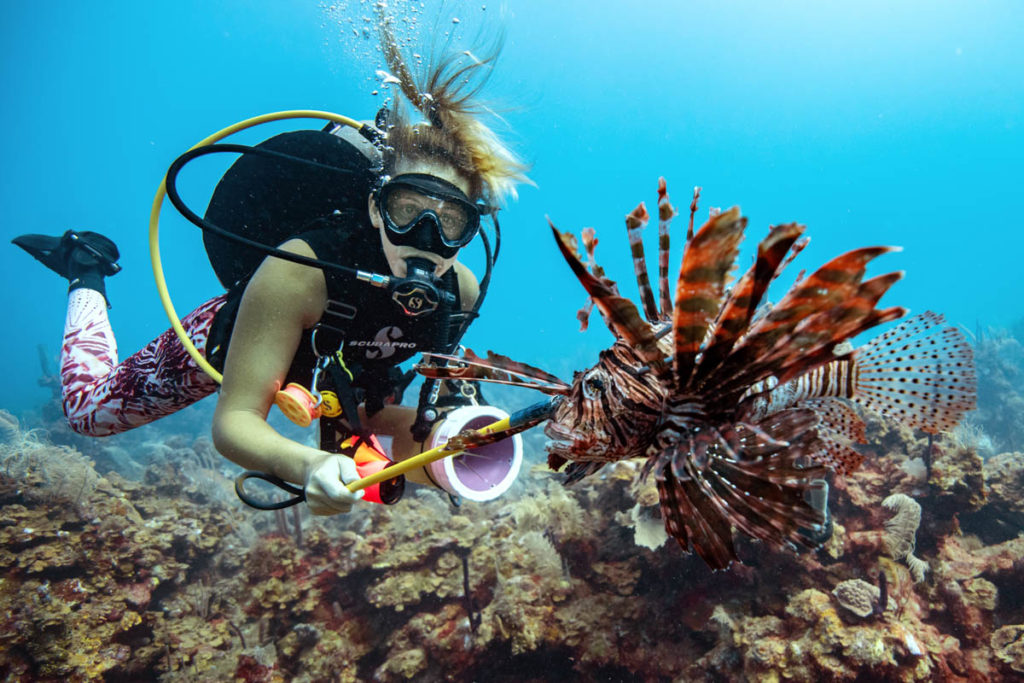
(281, 301)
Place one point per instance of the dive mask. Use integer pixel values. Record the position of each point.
(428, 213)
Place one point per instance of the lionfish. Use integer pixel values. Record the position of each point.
(738, 408)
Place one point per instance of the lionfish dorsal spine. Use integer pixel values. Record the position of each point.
(819, 332)
(619, 313)
(666, 212)
(636, 221)
(693, 212)
(746, 296)
(589, 238)
(707, 261)
(773, 346)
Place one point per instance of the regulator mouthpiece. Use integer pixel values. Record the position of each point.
(418, 293)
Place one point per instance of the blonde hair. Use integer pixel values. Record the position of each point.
(453, 132)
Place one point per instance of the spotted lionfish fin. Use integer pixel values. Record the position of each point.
(838, 418)
(496, 369)
(839, 427)
(757, 478)
(921, 376)
(707, 261)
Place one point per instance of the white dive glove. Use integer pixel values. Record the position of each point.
(325, 485)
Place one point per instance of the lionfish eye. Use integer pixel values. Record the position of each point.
(592, 386)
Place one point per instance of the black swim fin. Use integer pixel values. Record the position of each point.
(45, 249)
(84, 258)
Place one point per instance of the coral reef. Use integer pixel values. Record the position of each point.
(858, 596)
(1008, 644)
(999, 359)
(1004, 477)
(901, 530)
(168, 577)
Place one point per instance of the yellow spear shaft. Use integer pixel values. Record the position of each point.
(530, 416)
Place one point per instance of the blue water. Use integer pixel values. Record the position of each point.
(872, 122)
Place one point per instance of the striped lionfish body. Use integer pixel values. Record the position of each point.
(739, 408)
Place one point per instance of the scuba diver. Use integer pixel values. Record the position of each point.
(395, 205)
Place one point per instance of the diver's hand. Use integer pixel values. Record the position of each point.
(325, 485)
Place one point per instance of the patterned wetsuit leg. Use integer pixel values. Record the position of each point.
(102, 397)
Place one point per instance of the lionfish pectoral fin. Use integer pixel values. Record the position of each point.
(695, 527)
(767, 487)
(556, 462)
(578, 470)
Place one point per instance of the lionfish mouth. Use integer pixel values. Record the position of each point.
(560, 437)
(574, 444)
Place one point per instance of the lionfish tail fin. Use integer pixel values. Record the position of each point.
(918, 373)
(636, 221)
(759, 478)
(708, 259)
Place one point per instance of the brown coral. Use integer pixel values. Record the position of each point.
(901, 530)
(1008, 646)
(857, 596)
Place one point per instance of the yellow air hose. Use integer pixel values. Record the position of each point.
(158, 201)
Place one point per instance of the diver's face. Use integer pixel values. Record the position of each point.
(397, 254)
